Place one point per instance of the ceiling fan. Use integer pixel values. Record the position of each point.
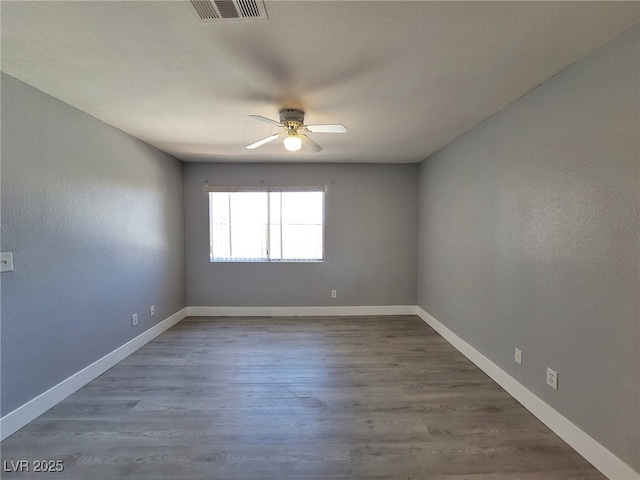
(292, 121)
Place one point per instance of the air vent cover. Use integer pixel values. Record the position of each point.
(214, 11)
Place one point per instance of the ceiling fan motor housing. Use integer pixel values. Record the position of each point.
(292, 119)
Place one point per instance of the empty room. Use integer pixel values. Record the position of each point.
(317, 240)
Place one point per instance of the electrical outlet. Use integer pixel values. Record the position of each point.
(334, 294)
(552, 378)
(134, 319)
(152, 310)
(517, 356)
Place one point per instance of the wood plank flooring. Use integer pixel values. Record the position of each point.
(288, 398)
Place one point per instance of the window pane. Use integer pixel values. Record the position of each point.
(302, 225)
(248, 225)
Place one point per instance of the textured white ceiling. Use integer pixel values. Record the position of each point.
(406, 78)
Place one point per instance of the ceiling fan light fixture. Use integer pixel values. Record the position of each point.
(293, 143)
(292, 122)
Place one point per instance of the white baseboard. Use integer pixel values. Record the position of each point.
(601, 458)
(24, 414)
(300, 311)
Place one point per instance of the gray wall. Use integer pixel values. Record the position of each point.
(370, 238)
(529, 237)
(95, 221)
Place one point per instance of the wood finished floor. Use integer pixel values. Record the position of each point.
(295, 399)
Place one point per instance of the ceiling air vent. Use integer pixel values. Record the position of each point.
(213, 11)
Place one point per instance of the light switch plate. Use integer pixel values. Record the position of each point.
(6, 262)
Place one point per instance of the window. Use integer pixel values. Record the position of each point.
(266, 224)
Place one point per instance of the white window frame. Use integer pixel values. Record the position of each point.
(263, 189)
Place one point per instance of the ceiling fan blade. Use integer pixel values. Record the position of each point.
(259, 143)
(326, 128)
(266, 120)
(309, 144)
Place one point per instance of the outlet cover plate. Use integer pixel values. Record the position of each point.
(517, 356)
(552, 378)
